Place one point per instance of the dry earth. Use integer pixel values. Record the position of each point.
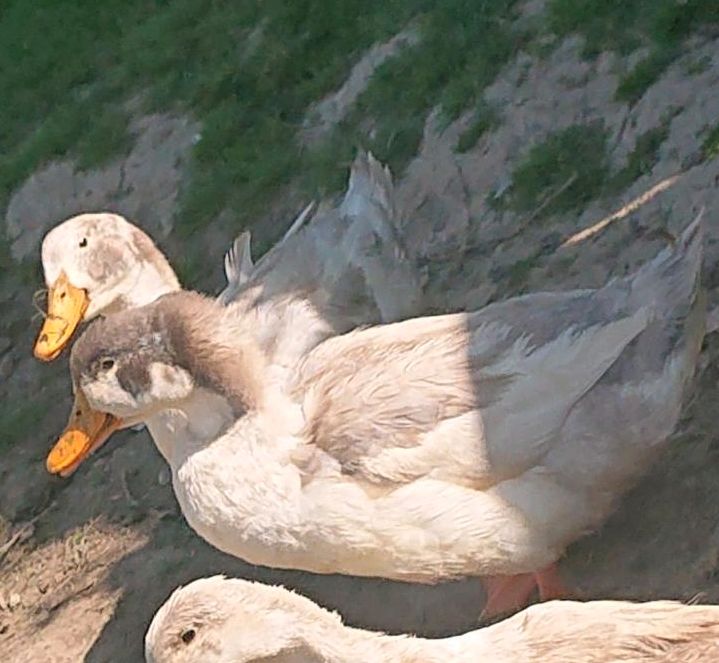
(86, 562)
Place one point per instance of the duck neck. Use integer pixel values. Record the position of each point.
(144, 284)
(349, 645)
(241, 492)
(177, 432)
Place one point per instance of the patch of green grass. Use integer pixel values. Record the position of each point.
(642, 158)
(463, 45)
(519, 272)
(106, 137)
(710, 146)
(632, 87)
(248, 71)
(697, 66)
(625, 25)
(485, 119)
(52, 53)
(562, 173)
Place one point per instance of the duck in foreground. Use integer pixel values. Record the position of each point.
(466, 444)
(343, 267)
(218, 620)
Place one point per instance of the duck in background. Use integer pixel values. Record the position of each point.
(472, 444)
(219, 620)
(344, 267)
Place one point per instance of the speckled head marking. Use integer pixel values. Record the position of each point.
(166, 342)
(95, 264)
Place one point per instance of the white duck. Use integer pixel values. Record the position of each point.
(346, 267)
(440, 447)
(216, 620)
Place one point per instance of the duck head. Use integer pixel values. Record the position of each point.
(168, 355)
(95, 264)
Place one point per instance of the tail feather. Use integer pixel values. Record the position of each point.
(238, 267)
(370, 195)
(370, 183)
(238, 259)
(373, 242)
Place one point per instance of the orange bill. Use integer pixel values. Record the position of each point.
(85, 431)
(66, 306)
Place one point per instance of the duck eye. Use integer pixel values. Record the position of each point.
(188, 635)
(107, 363)
(83, 242)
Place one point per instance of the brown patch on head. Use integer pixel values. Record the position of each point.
(147, 251)
(106, 260)
(192, 322)
(178, 329)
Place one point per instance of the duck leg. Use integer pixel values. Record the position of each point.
(550, 585)
(506, 594)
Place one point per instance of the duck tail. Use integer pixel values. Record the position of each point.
(238, 259)
(238, 267)
(370, 184)
(370, 195)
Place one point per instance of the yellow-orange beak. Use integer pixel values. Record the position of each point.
(85, 431)
(66, 306)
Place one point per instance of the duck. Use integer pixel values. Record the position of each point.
(469, 444)
(340, 268)
(221, 620)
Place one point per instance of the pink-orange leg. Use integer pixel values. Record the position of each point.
(550, 585)
(506, 594)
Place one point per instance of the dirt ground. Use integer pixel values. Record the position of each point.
(85, 563)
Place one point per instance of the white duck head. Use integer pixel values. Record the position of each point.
(96, 264)
(219, 620)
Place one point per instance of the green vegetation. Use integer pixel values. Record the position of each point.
(710, 146)
(563, 172)
(642, 158)
(519, 272)
(485, 119)
(249, 71)
(696, 66)
(571, 168)
(625, 25)
(632, 86)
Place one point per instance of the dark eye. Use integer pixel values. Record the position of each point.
(107, 363)
(188, 635)
(83, 242)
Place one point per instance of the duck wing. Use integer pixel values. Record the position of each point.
(473, 398)
(482, 397)
(239, 267)
(347, 263)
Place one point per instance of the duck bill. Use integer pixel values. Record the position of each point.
(66, 306)
(85, 432)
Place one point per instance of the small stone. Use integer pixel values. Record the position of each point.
(163, 476)
(13, 601)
